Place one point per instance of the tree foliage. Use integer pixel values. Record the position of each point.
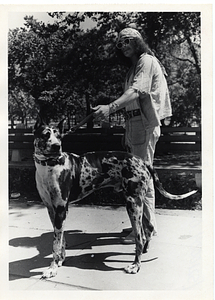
(62, 69)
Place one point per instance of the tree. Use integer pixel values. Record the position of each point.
(66, 69)
(20, 105)
(62, 67)
(35, 57)
(175, 39)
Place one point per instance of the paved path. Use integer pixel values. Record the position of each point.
(96, 258)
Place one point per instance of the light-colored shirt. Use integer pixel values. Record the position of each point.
(148, 79)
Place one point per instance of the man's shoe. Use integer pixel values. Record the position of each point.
(146, 247)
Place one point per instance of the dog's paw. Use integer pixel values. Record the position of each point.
(132, 269)
(60, 263)
(50, 272)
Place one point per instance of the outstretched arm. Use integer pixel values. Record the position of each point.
(102, 112)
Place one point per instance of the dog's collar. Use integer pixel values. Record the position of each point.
(50, 161)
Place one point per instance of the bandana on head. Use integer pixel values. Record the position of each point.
(133, 33)
(129, 33)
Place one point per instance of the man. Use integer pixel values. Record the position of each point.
(146, 101)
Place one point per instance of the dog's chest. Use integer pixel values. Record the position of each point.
(54, 182)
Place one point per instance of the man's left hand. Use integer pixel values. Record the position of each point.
(101, 112)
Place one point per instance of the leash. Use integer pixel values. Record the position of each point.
(85, 120)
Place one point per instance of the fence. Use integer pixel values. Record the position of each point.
(173, 139)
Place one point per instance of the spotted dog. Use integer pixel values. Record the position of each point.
(65, 177)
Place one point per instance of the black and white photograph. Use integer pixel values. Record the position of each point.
(107, 155)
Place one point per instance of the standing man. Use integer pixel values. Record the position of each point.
(146, 101)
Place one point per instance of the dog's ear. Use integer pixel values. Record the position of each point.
(61, 126)
(40, 122)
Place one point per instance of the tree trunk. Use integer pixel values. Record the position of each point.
(90, 122)
(193, 50)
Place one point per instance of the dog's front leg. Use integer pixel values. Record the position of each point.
(59, 243)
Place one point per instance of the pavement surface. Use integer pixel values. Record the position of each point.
(95, 256)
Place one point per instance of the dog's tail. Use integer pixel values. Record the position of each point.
(159, 187)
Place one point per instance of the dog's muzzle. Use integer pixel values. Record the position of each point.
(56, 148)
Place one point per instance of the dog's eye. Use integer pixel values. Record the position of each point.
(56, 133)
(46, 135)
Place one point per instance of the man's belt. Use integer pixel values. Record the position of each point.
(132, 113)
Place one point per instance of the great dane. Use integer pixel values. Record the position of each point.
(63, 177)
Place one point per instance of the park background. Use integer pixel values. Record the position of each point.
(66, 63)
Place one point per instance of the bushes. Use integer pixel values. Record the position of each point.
(22, 180)
(178, 182)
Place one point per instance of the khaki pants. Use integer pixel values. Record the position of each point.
(142, 142)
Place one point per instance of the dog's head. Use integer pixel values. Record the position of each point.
(47, 139)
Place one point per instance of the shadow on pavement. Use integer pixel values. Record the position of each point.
(75, 240)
